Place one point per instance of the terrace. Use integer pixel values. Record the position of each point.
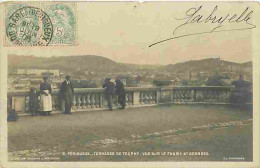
(170, 119)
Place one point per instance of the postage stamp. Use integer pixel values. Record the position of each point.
(37, 24)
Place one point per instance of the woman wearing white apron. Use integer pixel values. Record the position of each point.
(45, 97)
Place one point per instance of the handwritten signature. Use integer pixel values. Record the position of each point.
(193, 17)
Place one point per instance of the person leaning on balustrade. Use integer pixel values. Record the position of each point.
(45, 97)
(120, 91)
(109, 92)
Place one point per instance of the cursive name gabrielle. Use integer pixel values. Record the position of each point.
(193, 17)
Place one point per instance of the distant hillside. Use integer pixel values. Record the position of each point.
(209, 65)
(142, 67)
(102, 64)
(82, 63)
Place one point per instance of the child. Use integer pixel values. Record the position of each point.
(12, 116)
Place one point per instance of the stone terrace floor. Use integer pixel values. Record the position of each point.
(222, 131)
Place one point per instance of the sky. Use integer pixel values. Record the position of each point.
(123, 32)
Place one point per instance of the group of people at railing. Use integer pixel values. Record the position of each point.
(44, 106)
(66, 93)
(115, 87)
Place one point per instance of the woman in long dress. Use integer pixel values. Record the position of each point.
(45, 97)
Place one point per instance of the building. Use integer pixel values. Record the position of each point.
(38, 72)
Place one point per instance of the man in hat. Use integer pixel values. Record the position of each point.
(33, 101)
(109, 92)
(120, 91)
(67, 92)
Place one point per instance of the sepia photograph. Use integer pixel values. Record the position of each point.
(161, 82)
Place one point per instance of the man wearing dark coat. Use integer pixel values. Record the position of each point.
(33, 101)
(120, 91)
(67, 92)
(109, 92)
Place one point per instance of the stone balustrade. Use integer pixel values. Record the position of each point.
(88, 99)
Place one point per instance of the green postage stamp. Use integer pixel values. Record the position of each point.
(40, 24)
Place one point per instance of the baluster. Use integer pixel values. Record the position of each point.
(192, 95)
(182, 95)
(162, 96)
(101, 102)
(130, 98)
(84, 101)
(182, 92)
(149, 98)
(205, 96)
(210, 95)
(171, 96)
(154, 97)
(228, 93)
(38, 102)
(141, 99)
(88, 101)
(26, 104)
(97, 103)
(224, 96)
(185, 95)
(188, 95)
(220, 95)
(174, 96)
(158, 96)
(146, 98)
(217, 96)
(78, 101)
(93, 100)
(178, 96)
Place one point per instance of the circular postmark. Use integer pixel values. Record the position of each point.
(29, 26)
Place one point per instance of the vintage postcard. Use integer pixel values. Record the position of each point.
(129, 84)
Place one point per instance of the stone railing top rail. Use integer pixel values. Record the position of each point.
(98, 90)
